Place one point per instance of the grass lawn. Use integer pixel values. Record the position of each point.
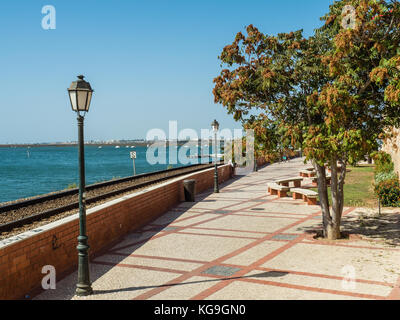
(358, 188)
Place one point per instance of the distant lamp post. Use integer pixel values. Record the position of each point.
(80, 95)
(215, 127)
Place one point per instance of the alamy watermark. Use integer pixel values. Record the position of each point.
(349, 16)
(49, 20)
(49, 280)
(349, 279)
(235, 148)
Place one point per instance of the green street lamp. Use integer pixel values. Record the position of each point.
(80, 95)
(215, 127)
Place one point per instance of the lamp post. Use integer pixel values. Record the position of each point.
(80, 94)
(215, 127)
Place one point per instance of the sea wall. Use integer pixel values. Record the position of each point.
(22, 257)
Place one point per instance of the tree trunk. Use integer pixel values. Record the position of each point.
(333, 231)
(331, 221)
(340, 192)
(323, 196)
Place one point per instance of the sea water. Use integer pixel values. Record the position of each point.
(27, 172)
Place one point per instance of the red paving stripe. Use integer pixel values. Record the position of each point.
(295, 216)
(256, 184)
(286, 213)
(190, 210)
(179, 228)
(276, 252)
(133, 266)
(331, 243)
(265, 216)
(292, 286)
(211, 202)
(288, 200)
(199, 270)
(309, 274)
(395, 294)
(233, 230)
(326, 276)
(306, 288)
(187, 211)
(159, 235)
(232, 236)
(261, 261)
(218, 216)
(206, 293)
(216, 235)
(156, 257)
(214, 198)
(195, 215)
(235, 198)
(153, 228)
(188, 218)
(244, 270)
(213, 209)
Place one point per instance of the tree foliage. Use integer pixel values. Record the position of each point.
(333, 94)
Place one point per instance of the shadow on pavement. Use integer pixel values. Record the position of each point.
(384, 228)
(269, 274)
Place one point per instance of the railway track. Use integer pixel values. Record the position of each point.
(21, 213)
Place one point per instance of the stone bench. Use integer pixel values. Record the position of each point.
(307, 173)
(275, 189)
(287, 181)
(339, 167)
(339, 170)
(308, 196)
(328, 180)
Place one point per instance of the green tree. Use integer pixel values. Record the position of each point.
(334, 93)
(266, 139)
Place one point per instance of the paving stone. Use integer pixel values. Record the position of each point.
(218, 233)
(222, 211)
(284, 237)
(170, 229)
(222, 271)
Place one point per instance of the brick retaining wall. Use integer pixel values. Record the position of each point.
(22, 257)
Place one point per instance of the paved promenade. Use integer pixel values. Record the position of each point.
(245, 244)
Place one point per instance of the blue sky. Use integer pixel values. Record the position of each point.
(148, 62)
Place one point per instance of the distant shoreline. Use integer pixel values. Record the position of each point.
(138, 144)
(96, 144)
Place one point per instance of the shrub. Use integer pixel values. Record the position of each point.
(383, 162)
(385, 168)
(388, 192)
(383, 176)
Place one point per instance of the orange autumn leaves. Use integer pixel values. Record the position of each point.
(333, 92)
(238, 89)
